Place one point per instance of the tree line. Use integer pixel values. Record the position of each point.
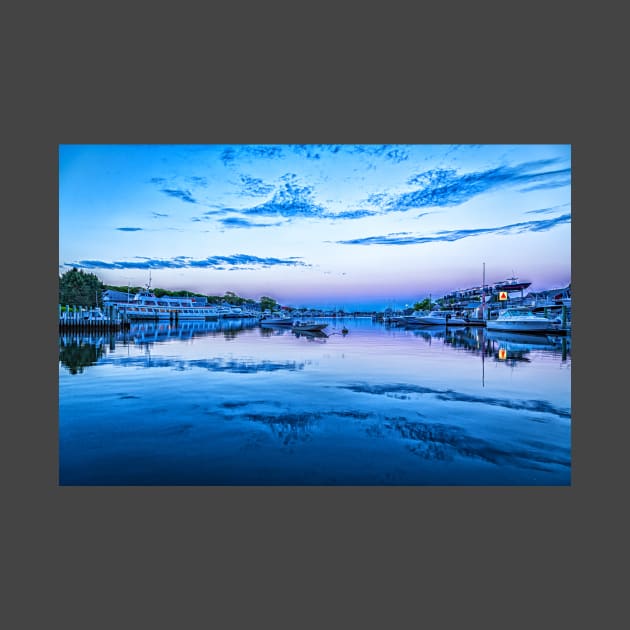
(80, 288)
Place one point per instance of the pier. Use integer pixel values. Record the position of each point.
(80, 319)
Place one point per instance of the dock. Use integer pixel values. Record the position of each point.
(79, 319)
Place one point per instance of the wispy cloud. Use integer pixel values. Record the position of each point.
(350, 214)
(237, 261)
(547, 210)
(196, 180)
(159, 215)
(232, 154)
(545, 186)
(448, 187)
(129, 229)
(391, 152)
(455, 235)
(255, 187)
(237, 222)
(184, 195)
(290, 200)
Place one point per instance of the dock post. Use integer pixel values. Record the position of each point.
(564, 316)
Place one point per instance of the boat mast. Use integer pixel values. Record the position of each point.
(483, 293)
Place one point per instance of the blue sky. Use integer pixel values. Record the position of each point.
(346, 226)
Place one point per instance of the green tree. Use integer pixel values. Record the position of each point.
(424, 305)
(231, 298)
(267, 303)
(79, 288)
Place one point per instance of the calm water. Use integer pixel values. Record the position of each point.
(236, 404)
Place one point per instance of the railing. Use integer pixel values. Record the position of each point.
(75, 317)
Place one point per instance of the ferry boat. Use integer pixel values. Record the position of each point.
(145, 305)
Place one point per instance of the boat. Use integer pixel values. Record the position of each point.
(146, 306)
(441, 317)
(522, 320)
(276, 320)
(307, 326)
(511, 284)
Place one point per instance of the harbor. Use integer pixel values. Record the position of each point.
(315, 315)
(481, 306)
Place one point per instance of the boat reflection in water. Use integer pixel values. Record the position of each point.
(503, 346)
(150, 332)
(311, 335)
(513, 347)
(235, 403)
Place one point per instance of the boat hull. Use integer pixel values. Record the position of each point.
(441, 321)
(310, 328)
(522, 326)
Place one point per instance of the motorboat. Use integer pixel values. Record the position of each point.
(307, 326)
(522, 320)
(276, 320)
(441, 317)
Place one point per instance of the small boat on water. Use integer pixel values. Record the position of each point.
(522, 320)
(307, 326)
(441, 318)
(276, 320)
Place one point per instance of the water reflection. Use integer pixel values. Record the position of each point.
(508, 347)
(445, 442)
(406, 391)
(316, 335)
(288, 428)
(76, 354)
(80, 351)
(250, 404)
(151, 332)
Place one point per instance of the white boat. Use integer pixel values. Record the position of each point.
(444, 318)
(145, 305)
(308, 326)
(276, 320)
(522, 320)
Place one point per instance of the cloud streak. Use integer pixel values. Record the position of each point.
(183, 195)
(447, 187)
(404, 238)
(236, 261)
(129, 229)
(236, 222)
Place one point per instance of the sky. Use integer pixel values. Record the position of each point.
(331, 226)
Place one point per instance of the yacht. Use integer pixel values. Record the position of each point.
(444, 318)
(522, 320)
